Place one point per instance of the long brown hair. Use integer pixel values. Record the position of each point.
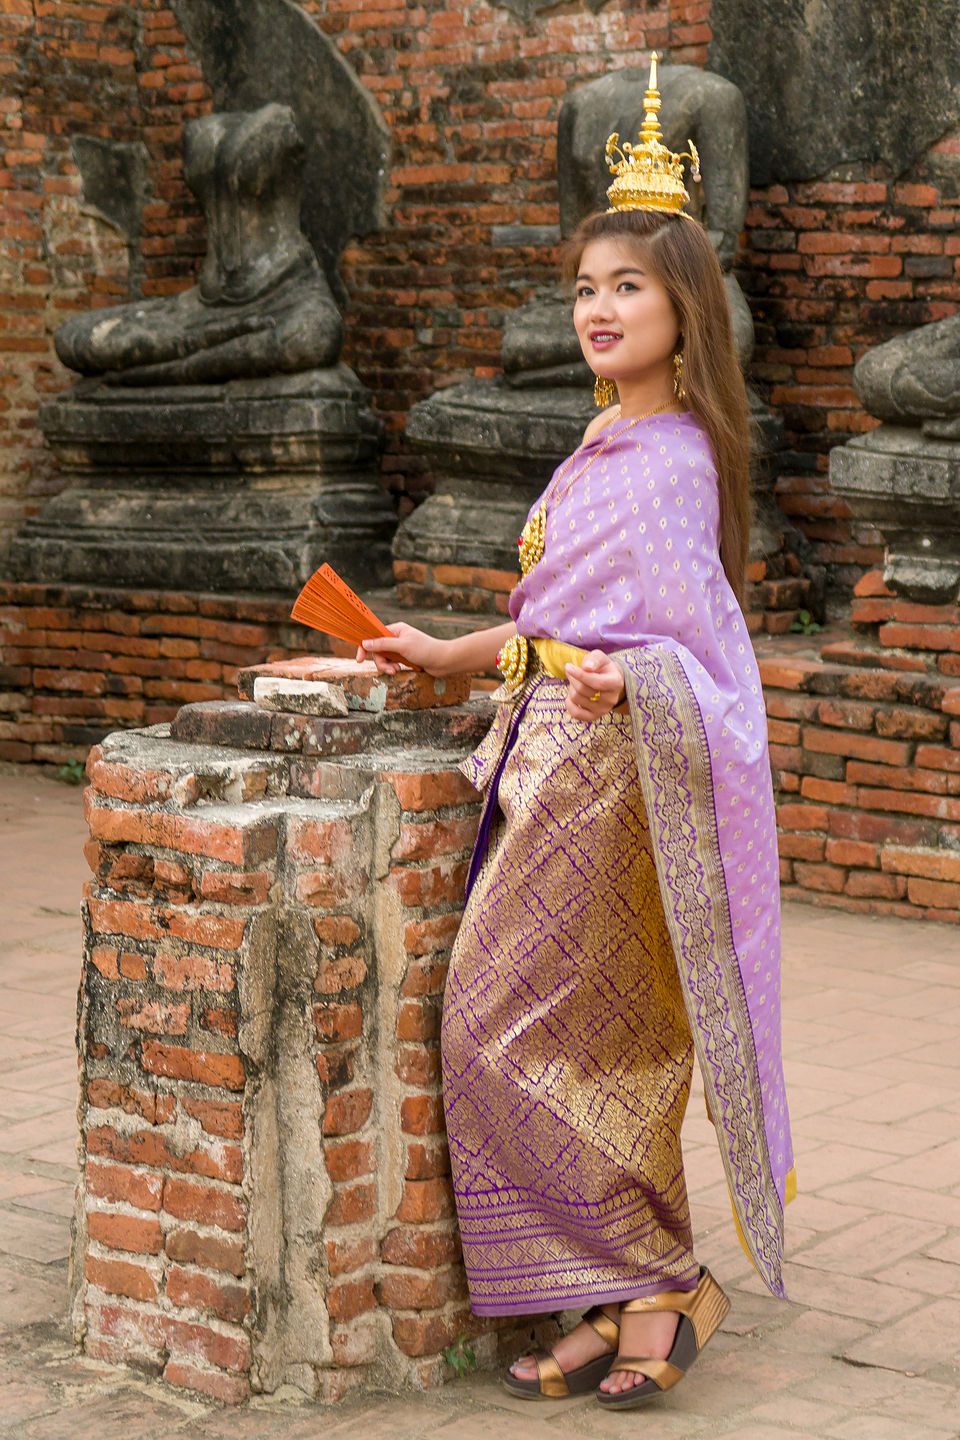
(678, 253)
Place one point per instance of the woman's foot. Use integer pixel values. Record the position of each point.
(640, 1334)
(580, 1346)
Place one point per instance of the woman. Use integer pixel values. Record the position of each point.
(622, 905)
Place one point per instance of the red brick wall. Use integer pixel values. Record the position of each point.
(74, 68)
(865, 748)
(831, 268)
(471, 96)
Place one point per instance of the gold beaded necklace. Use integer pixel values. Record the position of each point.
(533, 537)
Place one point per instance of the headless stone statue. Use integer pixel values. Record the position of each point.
(215, 442)
(263, 306)
(915, 379)
(540, 346)
(903, 478)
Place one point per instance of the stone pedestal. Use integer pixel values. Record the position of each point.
(907, 484)
(492, 447)
(244, 486)
(264, 1195)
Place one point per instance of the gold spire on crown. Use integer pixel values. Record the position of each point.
(649, 176)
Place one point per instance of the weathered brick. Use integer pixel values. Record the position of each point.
(351, 1204)
(419, 1019)
(430, 838)
(426, 1335)
(121, 1277)
(847, 714)
(347, 1111)
(872, 883)
(911, 724)
(122, 1185)
(433, 790)
(829, 878)
(161, 1151)
(421, 1114)
(194, 972)
(152, 922)
(247, 843)
(852, 852)
(423, 937)
(802, 817)
(933, 782)
(425, 1161)
(203, 1067)
(213, 1252)
(862, 747)
(801, 847)
(402, 1290)
(187, 1340)
(334, 1021)
(205, 1204)
(422, 1247)
(350, 1298)
(933, 893)
(230, 1389)
(198, 1290)
(125, 1232)
(155, 1017)
(426, 1200)
(350, 1159)
(927, 864)
(218, 1117)
(353, 1253)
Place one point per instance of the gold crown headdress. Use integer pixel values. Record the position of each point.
(649, 176)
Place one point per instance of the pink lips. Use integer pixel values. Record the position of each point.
(603, 339)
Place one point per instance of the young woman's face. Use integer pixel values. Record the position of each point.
(625, 321)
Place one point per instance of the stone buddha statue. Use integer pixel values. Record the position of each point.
(216, 441)
(540, 347)
(914, 379)
(262, 307)
(903, 478)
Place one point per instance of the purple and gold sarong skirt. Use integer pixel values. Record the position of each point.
(567, 1053)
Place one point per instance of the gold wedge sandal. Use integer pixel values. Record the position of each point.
(552, 1383)
(700, 1310)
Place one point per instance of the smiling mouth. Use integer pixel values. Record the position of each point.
(603, 337)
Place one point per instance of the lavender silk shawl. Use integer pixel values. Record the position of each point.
(632, 567)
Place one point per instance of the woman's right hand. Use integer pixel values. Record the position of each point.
(410, 645)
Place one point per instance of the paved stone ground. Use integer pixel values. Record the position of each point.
(868, 1350)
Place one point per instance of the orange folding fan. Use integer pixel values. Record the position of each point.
(327, 603)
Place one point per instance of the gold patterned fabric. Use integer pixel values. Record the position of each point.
(567, 1052)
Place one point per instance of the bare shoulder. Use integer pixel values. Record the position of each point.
(599, 422)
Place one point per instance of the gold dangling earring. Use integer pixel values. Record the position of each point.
(678, 389)
(604, 392)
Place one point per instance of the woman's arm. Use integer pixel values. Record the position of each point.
(476, 651)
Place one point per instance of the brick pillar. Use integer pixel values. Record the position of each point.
(265, 1193)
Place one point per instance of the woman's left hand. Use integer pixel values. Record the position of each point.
(594, 688)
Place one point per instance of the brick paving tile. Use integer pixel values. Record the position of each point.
(872, 1025)
(59, 1201)
(931, 1277)
(24, 1299)
(917, 1344)
(33, 1237)
(879, 1427)
(923, 1402)
(865, 1247)
(797, 1411)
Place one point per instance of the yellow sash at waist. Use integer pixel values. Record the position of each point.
(554, 654)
